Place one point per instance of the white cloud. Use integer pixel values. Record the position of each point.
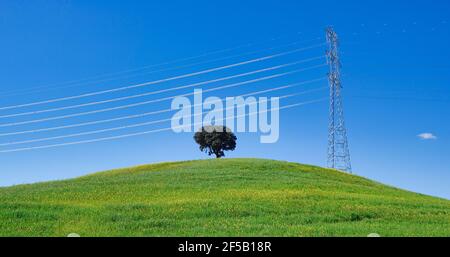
(427, 136)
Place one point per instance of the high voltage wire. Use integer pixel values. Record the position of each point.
(160, 91)
(173, 68)
(158, 100)
(119, 128)
(138, 124)
(407, 98)
(148, 132)
(151, 113)
(260, 59)
(112, 76)
(163, 80)
(152, 122)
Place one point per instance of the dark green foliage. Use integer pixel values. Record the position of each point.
(215, 140)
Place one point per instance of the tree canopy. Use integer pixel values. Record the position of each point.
(215, 140)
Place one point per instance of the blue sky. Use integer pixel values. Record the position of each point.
(396, 76)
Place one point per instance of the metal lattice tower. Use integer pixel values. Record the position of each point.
(338, 152)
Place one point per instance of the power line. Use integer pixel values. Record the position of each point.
(159, 91)
(115, 128)
(114, 75)
(151, 113)
(134, 125)
(152, 122)
(406, 98)
(157, 100)
(147, 132)
(163, 80)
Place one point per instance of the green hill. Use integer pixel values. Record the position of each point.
(229, 197)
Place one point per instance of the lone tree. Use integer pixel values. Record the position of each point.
(215, 140)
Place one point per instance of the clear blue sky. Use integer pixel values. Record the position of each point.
(396, 70)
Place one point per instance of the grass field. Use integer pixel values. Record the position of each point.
(228, 197)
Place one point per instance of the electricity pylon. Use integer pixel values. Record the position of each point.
(338, 152)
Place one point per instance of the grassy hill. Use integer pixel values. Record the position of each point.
(229, 197)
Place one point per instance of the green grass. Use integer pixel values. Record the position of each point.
(229, 197)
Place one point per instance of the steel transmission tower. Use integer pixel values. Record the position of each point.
(338, 152)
